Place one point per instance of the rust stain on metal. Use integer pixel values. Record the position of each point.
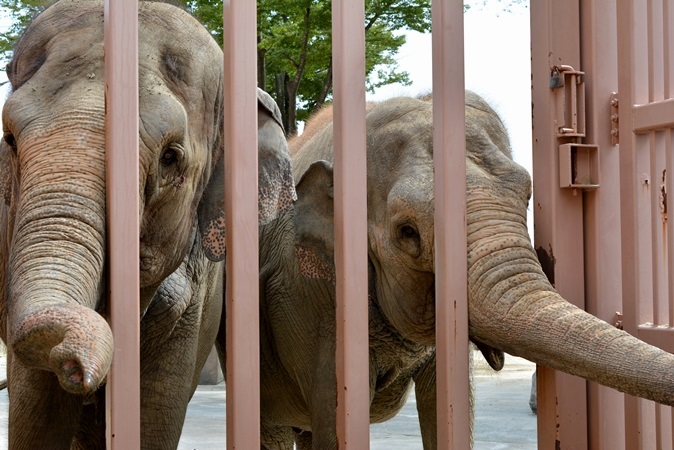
(547, 260)
(663, 196)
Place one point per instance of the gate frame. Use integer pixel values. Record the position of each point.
(558, 216)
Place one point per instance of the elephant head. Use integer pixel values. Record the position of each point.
(512, 306)
(52, 178)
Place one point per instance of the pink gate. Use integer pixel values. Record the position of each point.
(602, 228)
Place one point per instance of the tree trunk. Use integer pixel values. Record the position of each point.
(261, 72)
(325, 90)
(282, 99)
(291, 90)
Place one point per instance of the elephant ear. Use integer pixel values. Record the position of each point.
(314, 222)
(276, 186)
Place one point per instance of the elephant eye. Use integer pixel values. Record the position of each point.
(9, 140)
(408, 232)
(409, 240)
(170, 155)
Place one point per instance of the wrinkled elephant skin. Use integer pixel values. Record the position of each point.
(512, 306)
(52, 221)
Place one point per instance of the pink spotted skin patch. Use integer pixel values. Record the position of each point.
(311, 266)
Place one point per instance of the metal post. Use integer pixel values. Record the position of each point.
(352, 363)
(603, 270)
(121, 129)
(243, 354)
(555, 40)
(451, 308)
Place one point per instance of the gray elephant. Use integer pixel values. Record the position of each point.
(512, 306)
(52, 221)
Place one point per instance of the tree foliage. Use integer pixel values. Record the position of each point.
(20, 13)
(294, 44)
(294, 47)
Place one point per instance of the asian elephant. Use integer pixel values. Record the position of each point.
(53, 264)
(512, 306)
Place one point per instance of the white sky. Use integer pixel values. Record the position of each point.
(497, 61)
(497, 66)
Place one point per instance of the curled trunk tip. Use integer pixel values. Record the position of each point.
(68, 339)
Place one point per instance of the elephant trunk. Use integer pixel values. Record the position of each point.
(514, 308)
(57, 262)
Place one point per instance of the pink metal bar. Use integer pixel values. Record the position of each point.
(658, 336)
(555, 27)
(240, 95)
(352, 363)
(121, 81)
(603, 275)
(668, 50)
(633, 86)
(451, 290)
(653, 116)
(669, 149)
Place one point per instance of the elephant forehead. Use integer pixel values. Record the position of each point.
(71, 32)
(68, 40)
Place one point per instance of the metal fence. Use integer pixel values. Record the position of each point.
(609, 241)
(351, 258)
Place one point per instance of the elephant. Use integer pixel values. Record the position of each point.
(53, 267)
(512, 306)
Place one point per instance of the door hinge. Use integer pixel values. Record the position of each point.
(578, 161)
(615, 117)
(618, 323)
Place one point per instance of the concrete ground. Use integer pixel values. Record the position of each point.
(503, 419)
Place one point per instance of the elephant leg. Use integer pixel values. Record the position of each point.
(170, 369)
(426, 393)
(533, 402)
(324, 397)
(41, 413)
(90, 434)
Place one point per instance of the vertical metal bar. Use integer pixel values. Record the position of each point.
(555, 27)
(240, 95)
(602, 210)
(655, 224)
(352, 363)
(629, 75)
(121, 129)
(668, 74)
(668, 49)
(451, 308)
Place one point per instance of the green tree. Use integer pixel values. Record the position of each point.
(20, 12)
(294, 44)
(294, 47)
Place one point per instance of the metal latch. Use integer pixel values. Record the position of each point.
(579, 166)
(569, 91)
(578, 162)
